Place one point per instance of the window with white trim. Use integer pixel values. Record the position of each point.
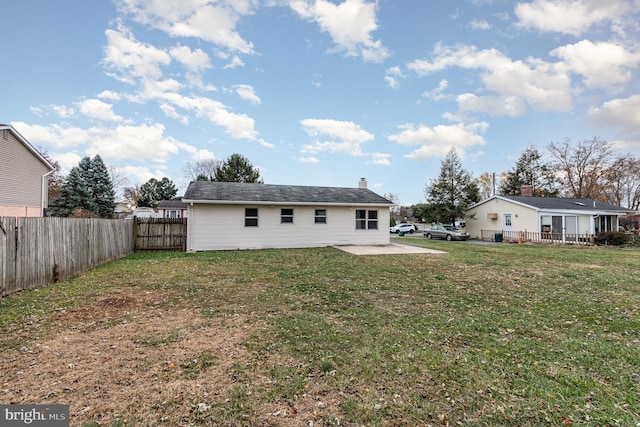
(321, 216)
(286, 216)
(251, 217)
(366, 219)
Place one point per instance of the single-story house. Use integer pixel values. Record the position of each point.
(230, 215)
(24, 176)
(174, 208)
(542, 218)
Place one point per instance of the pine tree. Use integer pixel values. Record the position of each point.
(452, 192)
(98, 181)
(74, 196)
(237, 168)
(101, 188)
(531, 170)
(153, 191)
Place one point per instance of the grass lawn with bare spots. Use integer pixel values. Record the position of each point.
(508, 335)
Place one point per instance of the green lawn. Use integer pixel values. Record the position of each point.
(484, 335)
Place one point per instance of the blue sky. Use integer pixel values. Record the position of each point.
(319, 92)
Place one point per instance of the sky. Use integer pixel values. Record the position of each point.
(319, 92)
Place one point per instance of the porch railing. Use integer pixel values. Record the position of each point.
(533, 237)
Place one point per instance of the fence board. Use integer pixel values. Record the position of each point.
(39, 251)
(165, 234)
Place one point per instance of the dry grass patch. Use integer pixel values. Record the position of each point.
(123, 357)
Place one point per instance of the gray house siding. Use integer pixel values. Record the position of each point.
(22, 171)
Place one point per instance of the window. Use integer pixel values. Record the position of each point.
(507, 220)
(372, 224)
(321, 216)
(251, 217)
(366, 220)
(173, 214)
(286, 216)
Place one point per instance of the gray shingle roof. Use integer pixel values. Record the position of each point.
(172, 204)
(233, 192)
(562, 203)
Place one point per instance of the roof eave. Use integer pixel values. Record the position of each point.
(281, 203)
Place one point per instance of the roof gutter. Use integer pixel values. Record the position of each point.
(271, 203)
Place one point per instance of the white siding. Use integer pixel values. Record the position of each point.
(216, 227)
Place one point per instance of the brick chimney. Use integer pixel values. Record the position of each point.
(526, 190)
(363, 183)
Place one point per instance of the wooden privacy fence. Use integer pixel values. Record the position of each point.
(529, 236)
(39, 251)
(161, 234)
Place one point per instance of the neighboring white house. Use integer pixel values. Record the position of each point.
(558, 219)
(229, 215)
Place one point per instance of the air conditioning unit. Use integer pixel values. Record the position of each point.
(492, 215)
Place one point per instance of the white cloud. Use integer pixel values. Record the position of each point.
(437, 141)
(138, 175)
(61, 111)
(212, 21)
(130, 59)
(573, 17)
(350, 25)
(247, 93)
(602, 64)
(195, 61)
(110, 95)
(144, 142)
(393, 76)
(96, 109)
(479, 24)
(381, 159)
(437, 93)
(543, 86)
(309, 159)
(67, 160)
(343, 137)
(203, 154)
(621, 114)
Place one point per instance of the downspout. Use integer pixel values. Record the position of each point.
(45, 191)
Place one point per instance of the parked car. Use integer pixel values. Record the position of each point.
(448, 232)
(404, 227)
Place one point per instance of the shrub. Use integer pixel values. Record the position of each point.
(615, 238)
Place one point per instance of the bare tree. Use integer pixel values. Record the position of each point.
(623, 182)
(131, 196)
(486, 185)
(119, 182)
(55, 180)
(202, 170)
(581, 167)
(393, 197)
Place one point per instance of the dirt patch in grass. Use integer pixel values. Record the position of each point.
(123, 356)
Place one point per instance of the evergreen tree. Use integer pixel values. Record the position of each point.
(74, 196)
(98, 181)
(531, 170)
(452, 192)
(153, 191)
(237, 168)
(101, 188)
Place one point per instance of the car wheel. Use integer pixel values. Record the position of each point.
(449, 237)
(410, 231)
(428, 236)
